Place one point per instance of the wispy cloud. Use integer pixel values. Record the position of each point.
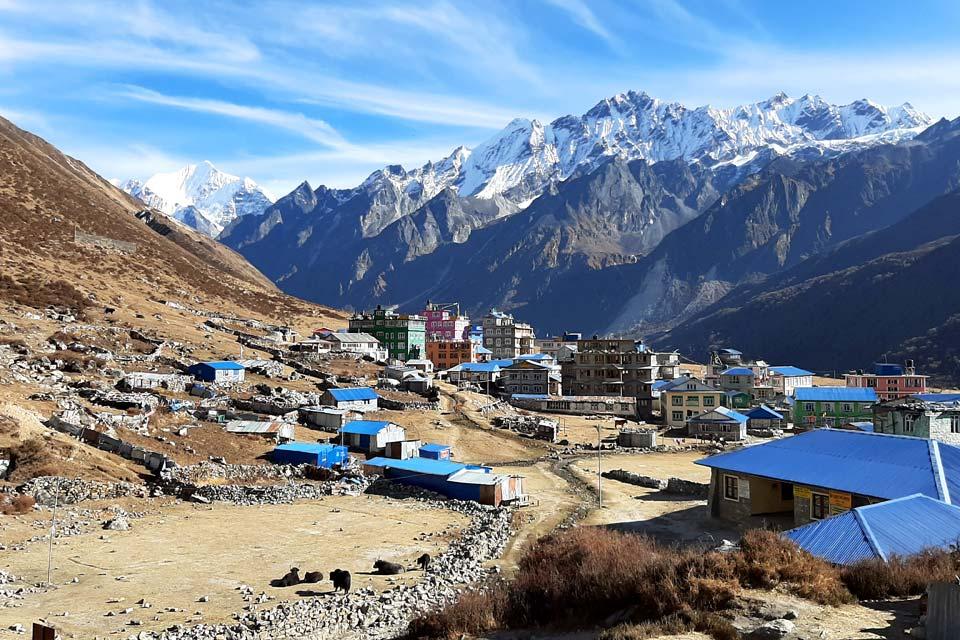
(310, 128)
(581, 13)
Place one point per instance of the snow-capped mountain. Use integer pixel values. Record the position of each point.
(201, 196)
(519, 161)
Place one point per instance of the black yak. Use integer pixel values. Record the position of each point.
(291, 579)
(312, 577)
(341, 580)
(424, 561)
(387, 568)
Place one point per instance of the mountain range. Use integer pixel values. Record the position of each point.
(201, 196)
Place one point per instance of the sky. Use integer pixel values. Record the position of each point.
(328, 92)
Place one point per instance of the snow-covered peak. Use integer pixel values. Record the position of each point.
(202, 196)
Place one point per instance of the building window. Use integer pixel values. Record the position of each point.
(955, 423)
(809, 407)
(731, 488)
(908, 421)
(678, 415)
(708, 401)
(827, 406)
(847, 407)
(819, 506)
(676, 401)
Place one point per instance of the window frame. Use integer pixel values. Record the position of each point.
(826, 505)
(727, 486)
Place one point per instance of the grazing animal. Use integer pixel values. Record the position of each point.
(291, 579)
(313, 577)
(424, 561)
(387, 568)
(341, 580)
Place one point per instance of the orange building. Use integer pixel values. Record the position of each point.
(449, 353)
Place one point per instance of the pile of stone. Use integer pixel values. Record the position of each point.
(678, 486)
(45, 490)
(248, 495)
(240, 473)
(533, 426)
(364, 613)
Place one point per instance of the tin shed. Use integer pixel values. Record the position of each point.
(315, 453)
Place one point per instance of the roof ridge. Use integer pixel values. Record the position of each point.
(868, 534)
(940, 476)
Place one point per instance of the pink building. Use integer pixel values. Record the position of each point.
(890, 381)
(444, 322)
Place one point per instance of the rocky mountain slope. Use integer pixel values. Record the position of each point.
(890, 293)
(379, 241)
(48, 198)
(201, 196)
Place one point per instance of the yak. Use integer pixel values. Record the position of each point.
(312, 577)
(341, 580)
(424, 561)
(291, 579)
(387, 568)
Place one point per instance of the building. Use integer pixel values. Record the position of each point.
(446, 354)
(617, 367)
(371, 436)
(436, 451)
(272, 429)
(314, 344)
(900, 527)
(485, 375)
(356, 398)
(326, 418)
(444, 322)
(737, 399)
(930, 415)
(506, 337)
(530, 376)
(831, 406)
(685, 398)
(890, 381)
(403, 449)
(220, 372)
(824, 472)
(354, 342)
(785, 379)
(452, 479)
(403, 336)
(315, 453)
(143, 381)
(763, 417)
(737, 379)
(625, 407)
(718, 424)
(423, 365)
(559, 347)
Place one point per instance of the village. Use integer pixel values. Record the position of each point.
(397, 437)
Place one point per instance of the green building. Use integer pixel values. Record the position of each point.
(832, 406)
(403, 336)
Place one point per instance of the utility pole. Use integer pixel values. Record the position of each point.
(599, 477)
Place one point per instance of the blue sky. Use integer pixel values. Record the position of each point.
(328, 92)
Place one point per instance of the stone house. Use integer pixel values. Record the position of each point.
(931, 415)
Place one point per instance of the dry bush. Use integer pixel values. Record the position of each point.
(40, 294)
(711, 624)
(16, 504)
(475, 612)
(901, 577)
(76, 362)
(9, 426)
(767, 560)
(31, 459)
(16, 343)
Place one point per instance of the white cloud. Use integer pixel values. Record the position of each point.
(583, 15)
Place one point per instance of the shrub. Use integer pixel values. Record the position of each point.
(16, 504)
(711, 624)
(9, 426)
(40, 294)
(76, 362)
(30, 459)
(901, 577)
(475, 612)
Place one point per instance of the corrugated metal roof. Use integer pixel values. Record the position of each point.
(763, 412)
(535, 356)
(469, 476)
(257, 426)
(226, 365)
(351, 337)
(427, 466)
(900, 527)
(835, 394)
(477, 367)
(729, 414)
(483, 350)
(943, 398)
(869, 464)
(862, 426)
(365, 427)
(356, 393)
(790, 371)
(530, 396)
(738, 371)
(436, 448)
(306, 447)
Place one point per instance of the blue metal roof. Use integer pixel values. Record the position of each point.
(484, 350)
(223, 365)
(869, 464)
(900, 527)
(305, 447)
(427, 466)
(835, 394)
(356, 393)
(530, 396)
(738, 371)
(535, 356)
(790, 372)
(886, 369)
(728, 413)
(503, 362)
(763, 412)
(945, 398)
(660, 384)
(436, 448)
(732, 352)
(365, 427)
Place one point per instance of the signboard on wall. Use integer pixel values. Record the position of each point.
(801, 492)
(840, 502)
